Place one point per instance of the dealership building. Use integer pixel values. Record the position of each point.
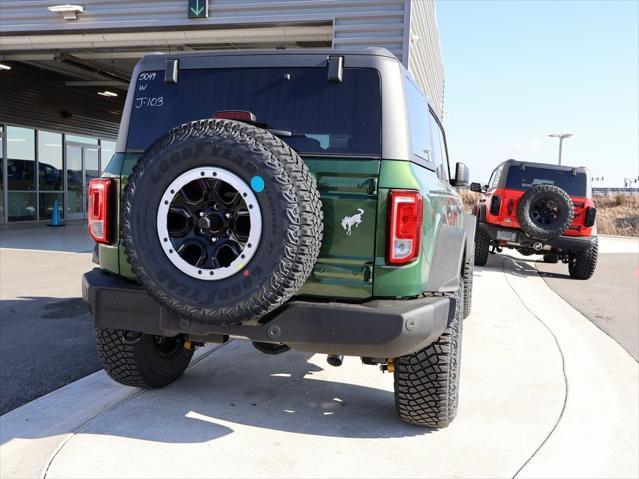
(65, 68)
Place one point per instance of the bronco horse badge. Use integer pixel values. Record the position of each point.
(349, 221)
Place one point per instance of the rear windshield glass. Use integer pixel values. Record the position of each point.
(324, 117)
(523, 179)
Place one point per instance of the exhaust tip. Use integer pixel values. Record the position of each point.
(335, 359)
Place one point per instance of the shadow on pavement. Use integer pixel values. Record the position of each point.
(239, 386)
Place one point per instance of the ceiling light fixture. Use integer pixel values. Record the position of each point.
(107, 93)
(68, 12)
(4, 67)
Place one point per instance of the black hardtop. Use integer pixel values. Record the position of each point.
(362, 57)
(516, 163)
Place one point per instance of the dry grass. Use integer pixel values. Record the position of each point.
(469, 198)
(615, 215)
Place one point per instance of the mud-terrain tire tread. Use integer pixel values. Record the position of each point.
(467, 277)
(304, 234)
(482, 244)
(585, 263)
(427, 381)
(134, 364)
(526, 202)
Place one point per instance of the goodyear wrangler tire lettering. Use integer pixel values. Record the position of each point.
(198, 175)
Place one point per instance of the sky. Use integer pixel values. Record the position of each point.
(518, 70)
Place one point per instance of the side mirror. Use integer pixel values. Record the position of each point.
(462, 175)
(476, 187)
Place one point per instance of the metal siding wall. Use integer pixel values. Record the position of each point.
(424, 57)
(357, 23)
(36, 98)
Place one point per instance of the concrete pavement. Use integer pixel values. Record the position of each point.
(544, 393)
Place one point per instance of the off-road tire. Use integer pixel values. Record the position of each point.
(427, 381)
(551, 258)
(539, 193)
(139, 362)
(467, 278)
(482, 244)
(292, 221)
(584, 264)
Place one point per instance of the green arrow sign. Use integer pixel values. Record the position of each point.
(198, 8)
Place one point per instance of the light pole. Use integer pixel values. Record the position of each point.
(561, 137)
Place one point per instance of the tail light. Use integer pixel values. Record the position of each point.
(495, 205)
(99, 209)
(591, 213)
(239, 115)
(404, 226)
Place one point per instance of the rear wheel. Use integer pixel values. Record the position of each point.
(427, 381)
(584, 264)
(481, 246)
(141, 360)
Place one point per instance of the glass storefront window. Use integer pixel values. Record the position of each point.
(1, 174)
(81, 139)
(107, 150)
(21, 206)
(47, 203)
(91, 164)
(50, 161)
(20, 158)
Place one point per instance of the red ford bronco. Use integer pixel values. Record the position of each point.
(537, 208)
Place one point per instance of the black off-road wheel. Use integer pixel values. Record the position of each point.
(545, 212)
(427, 381)
(467, 278)
(141, 360)
(551, 258)
(221, 221)
(482, 244)
(583, 265)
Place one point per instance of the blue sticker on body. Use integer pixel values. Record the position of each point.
(257, 183)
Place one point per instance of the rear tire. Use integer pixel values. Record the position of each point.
(427, 381)
(551, 258)
(145, 361)
(482, 244)
(585, 262)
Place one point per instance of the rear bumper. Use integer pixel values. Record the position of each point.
(561, 243)
(377, 328)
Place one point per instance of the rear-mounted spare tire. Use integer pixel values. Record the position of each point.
(545, 212)
(221, 221)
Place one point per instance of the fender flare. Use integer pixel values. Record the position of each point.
(452, 245)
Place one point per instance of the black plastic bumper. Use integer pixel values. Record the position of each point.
(377, 328)
(561, 243)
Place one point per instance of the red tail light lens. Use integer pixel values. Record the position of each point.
(239, 115)
(99, 209)
(404, 226)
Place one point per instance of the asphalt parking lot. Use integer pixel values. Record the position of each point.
(609, 299)
(46, 333)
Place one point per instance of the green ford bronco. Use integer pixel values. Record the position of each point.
(296, 199)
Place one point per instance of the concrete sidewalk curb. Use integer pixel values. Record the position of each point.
(31, 434)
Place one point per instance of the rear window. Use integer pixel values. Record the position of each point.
(523, 179)
(324, 117)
